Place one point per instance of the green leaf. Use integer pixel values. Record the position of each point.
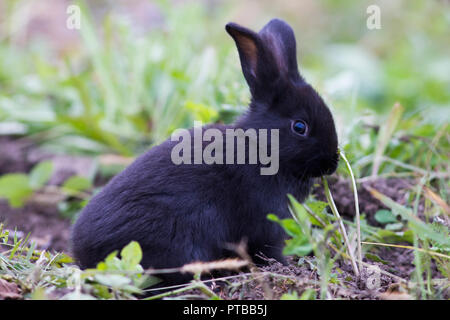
(299, 243)
(131, 255)
(375, 258)
(317, 207)
(102, 291)
(15, 188)
(112, 280)
(290, 296)
(111, 262)
(300, 212)
(75, 184)
(40, 175)
(117, 281)
(203, 113)
(385, 216)
(390, 236)
(299, 246)
(308, 294)
(291, 227)
(394, 226)
(62, 258)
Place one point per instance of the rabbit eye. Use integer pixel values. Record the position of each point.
(300, 127)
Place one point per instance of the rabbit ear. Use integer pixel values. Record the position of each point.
(267, 57)
(278, 37)
(250, 50)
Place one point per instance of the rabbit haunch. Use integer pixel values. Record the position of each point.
(214, 153)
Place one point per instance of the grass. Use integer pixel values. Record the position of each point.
(120, 92)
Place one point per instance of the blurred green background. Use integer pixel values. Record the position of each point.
(77, 105)
(136, 70)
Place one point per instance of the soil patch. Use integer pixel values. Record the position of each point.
(397, 189)
(48, 228)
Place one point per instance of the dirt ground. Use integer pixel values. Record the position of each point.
(51, 231)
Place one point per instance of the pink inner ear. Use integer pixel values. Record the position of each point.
(250, 51)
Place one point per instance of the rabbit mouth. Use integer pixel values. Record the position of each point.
(324, 166)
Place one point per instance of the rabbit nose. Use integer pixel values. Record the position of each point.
(325, 165)
(331, 163)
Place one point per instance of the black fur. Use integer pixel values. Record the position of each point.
(184, 213)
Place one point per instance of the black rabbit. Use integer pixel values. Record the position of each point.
(180, 213)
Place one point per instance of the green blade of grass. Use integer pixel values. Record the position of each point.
(410, 248)
(341, 225)
(385, 135)
(355, 194)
